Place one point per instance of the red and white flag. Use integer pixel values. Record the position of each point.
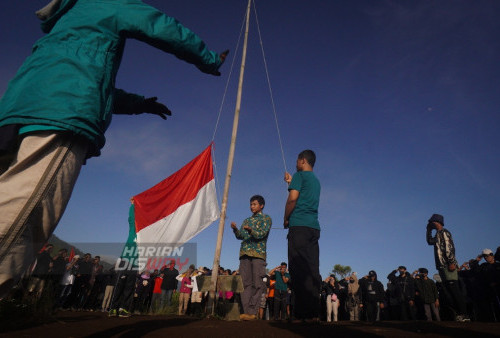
(179, 207)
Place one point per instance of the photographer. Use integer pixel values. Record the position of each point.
(282, 277)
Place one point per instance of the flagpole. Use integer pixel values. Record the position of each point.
(218, 247)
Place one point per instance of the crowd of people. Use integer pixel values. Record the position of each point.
(407, 295)
(82, 284)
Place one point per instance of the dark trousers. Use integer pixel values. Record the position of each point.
(404, 311)
(455, 296)
(303, 260)
(124, 291)
(280, 304)
(371, 311)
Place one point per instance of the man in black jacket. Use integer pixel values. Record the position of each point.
(372, 296)
(403, 294)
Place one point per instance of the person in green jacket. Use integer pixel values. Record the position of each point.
(427, 293)
(56, 109)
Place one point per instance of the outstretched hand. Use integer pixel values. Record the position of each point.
(222, 57)
(151, 106)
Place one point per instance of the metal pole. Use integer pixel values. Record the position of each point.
(218, 247)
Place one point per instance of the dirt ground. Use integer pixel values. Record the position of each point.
(97, 324)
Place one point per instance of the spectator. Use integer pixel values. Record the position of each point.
(281, 277)
(372, 296)
(185, 289)
(169, 284)
(404, 293)
(332, 291)
(353, 297)
(141, 293)
(81, 285)
(196, 294)
(271, 290)
(156, 297)
(40, 275)
(427, 293)
(488, 278)
(263, 299)
(58, 269)
(96, 285)
(110, 280)
(67, 281)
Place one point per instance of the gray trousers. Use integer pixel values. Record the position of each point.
(428, 315)
(252, 271)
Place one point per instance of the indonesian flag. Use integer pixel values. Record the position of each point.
(179, 207)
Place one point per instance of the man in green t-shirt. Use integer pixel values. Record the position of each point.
(301, 218)
(282, 277)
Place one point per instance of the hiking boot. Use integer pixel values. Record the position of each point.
(123, 313)
(112, 313)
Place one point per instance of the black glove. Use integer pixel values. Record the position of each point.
(150, 106)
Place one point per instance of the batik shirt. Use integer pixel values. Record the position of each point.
(254, 244)
(444, 249)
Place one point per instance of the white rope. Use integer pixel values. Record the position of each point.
(226, 88)
(270, 89)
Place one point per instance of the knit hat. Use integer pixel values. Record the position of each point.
(437, 218)
(372, 273)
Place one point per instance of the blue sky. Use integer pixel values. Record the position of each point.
(399, 100)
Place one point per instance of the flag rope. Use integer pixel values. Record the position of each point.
(273, 105)
(269, 85)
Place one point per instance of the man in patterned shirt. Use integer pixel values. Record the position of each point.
(446, 263)
(253, 235)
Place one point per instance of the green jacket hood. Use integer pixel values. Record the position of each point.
(52, 12)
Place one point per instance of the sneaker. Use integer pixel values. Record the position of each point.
(245, 316)
(462, 318)
(123, 313)
(112, 313)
